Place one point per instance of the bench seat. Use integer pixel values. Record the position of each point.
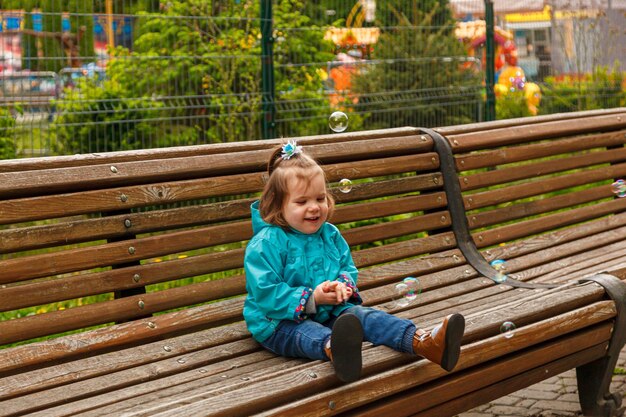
(129, 267)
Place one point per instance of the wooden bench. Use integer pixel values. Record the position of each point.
(124, 271)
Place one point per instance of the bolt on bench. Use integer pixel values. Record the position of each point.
(124, 271)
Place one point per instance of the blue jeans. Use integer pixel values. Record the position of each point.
(308, 338)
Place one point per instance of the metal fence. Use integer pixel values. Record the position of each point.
(81, 76)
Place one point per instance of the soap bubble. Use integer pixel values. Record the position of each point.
(413, 288)
(507, 329)
(619, 188)
(500, 266)
(400, 298)
(345, 185)
(338, 121)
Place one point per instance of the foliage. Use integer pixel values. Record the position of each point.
(7, 146)
(80, 18)
(415, 65)
(100, 118)
(512, 105)
(200, 61)
(602, 89)
(52, 22)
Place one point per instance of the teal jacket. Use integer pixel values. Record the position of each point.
(283, 267)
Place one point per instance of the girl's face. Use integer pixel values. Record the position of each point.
(306, 207)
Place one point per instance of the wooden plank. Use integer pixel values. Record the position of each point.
(69, 179)
(212, 360)
(204, 394)
(76, 286)
(121, 309)
(546, 223)
(499, 124)
(538, 169)
(88, 343)
(129, 365)
(145, 394)
(384, 188)
(494, 157)
(528, 378)
(542, 186)
(466, 142)
(125, 198)
(387, 230)
(423, 397)
(252, 398)
(485, 218)
(394, 251)
(27, 164)
(48, 264)
(553, 238)
(76, 230)
(398, 205)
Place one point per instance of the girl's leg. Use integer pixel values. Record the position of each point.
(299, 340)
(382, 328)
(442, 345)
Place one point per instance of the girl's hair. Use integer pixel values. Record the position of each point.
(299, 166)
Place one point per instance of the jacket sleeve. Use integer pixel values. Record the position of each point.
(348, 273)
(265, 284)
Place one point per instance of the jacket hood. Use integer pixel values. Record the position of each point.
(258, 223)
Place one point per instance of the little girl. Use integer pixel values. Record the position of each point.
(301, 280)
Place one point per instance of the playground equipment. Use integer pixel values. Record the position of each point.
(509, 76)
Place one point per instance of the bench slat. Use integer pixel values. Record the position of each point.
(420, 371)
(76, 231)
(448, 389)
(69, 179)
(26, 164)
(522, 380)
(489, 158)
(546, 223)
(529, 171)
(466, 142)
(530, 189)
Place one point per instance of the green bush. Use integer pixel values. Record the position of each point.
(602, 89)
(102, 118)
(512, 105)
(7, 145)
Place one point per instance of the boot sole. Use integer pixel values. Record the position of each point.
(345, 344)
(454, 334)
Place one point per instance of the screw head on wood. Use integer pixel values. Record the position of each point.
(131, 250)
(113, 169)
(141, 304)
(124, 198)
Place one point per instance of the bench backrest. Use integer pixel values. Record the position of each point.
(522, 179)
(93, 240)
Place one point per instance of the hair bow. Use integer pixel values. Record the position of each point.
(290, 149)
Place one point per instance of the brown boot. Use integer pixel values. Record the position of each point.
(445, 347)
(344, 350)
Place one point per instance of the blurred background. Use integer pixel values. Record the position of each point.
(84, 76)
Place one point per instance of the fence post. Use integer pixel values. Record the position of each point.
(490, 111)
(267, 71)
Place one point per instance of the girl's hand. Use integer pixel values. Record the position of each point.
(331, 292)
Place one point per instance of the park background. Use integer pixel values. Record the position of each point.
(83, 76)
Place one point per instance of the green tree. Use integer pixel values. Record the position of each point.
(29, 42)
(196, 67)
(81, 24)
(7, 145)
(416, 76)
(52, 22)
